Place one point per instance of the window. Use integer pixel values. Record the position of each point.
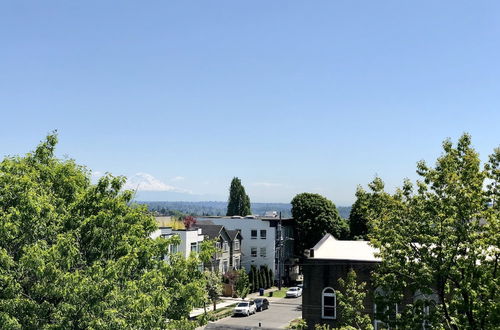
(237, 244)
(173, 248)
(236, 263)
(328, 304)
(225, 247)
(426, 303)
(263, 252)
(225, 267)
(263, 234)
(253, 252)
(385, 311)
(253, 234)
(194, 247)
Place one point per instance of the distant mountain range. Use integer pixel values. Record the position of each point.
(219, 208)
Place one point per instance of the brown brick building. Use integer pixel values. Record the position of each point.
(330, 260)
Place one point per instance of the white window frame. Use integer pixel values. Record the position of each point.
(263, 231)
(263, 249)
(328, 294)
(195, 245)
(251, 252)
(236, 244)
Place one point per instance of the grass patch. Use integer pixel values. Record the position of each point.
(280, 293)
(215, 315)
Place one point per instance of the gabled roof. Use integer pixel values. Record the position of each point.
(330, 248)
(212, 231)
(233, 234)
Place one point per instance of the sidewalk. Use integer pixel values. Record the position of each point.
(226, 301)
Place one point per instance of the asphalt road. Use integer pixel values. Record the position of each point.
(278, 316)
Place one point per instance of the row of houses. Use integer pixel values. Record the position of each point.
(241, 242)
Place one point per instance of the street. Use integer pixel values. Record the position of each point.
(278, 316)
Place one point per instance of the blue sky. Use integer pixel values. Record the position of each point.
(290, 96)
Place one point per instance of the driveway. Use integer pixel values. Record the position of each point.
(278, 316)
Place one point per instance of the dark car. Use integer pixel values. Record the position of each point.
(261, 303)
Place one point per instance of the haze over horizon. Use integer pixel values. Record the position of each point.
(289, 96)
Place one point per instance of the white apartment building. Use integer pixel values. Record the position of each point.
(259, 234)
(190, 240)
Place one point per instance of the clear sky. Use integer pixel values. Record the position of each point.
(290, 96)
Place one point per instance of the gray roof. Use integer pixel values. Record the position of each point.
(233, 233)
(212, 231)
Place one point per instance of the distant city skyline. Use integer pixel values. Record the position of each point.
(289, 96)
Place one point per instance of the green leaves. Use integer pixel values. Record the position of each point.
(444, 239)
(77, 255)
(315, 216)
(239, 202)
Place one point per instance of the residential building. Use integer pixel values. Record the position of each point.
(331, 259)
(190, 239)
(223, 258)
(235, 248)
(262, 236)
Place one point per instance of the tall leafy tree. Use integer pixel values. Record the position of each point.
(350, 300)
(239, 202)
(213, 287)
(441, 241)
(74, 255)
(315, 216)
(367, 203)
(242, 283)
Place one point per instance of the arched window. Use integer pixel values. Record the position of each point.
(328, 304)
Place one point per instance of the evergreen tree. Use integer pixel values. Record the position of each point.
(271, 277)
(239, 202)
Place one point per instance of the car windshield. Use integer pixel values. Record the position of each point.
(258, 300)
(245, 304)
(293, 289)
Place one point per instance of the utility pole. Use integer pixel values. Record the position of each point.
(279, 248)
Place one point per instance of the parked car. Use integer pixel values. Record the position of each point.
(261, 304)
(245, 308)
(294, 291)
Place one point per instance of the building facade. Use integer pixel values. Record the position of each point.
(264, 239)
(331, 260)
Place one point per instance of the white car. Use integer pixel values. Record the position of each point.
(294, 291)
(245, 308)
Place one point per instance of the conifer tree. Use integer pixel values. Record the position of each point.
(239, 202)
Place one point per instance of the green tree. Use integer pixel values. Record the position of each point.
(358, 218)
(239, 202)
(442, 240)
(242, 283)
(271, 277)
(213, 287)
(74, 255)
(367, 203)
(350, 300)
(251, 278)
(315, 216)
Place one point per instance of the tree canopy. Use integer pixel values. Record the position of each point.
(78, 255)
(440, 242)
(367, 203)
(238, 202)
(315, 216)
